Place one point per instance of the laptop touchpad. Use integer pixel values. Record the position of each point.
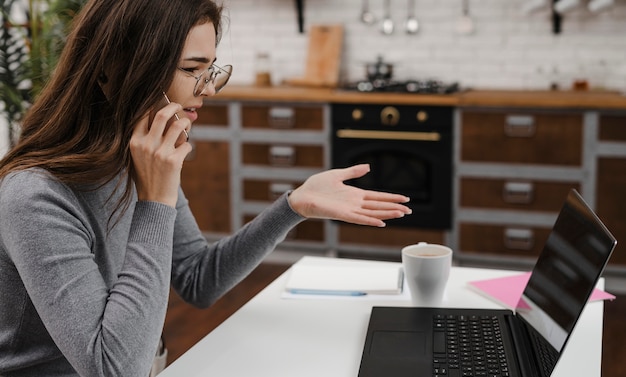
(398, 344)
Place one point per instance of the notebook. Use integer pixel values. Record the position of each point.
(314, 275)
(409, 341)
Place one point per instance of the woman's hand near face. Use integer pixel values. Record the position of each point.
(324, 195)
(158, 152)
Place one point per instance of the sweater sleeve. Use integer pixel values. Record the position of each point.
(101, 329)
(202, 272)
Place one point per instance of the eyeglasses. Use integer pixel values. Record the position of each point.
(217, 75)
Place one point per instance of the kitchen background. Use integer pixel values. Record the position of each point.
(509, 48)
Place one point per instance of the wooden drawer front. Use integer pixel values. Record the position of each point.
(214, 115)
(309, 230)
(283, 155)
(613, 127)
(266, 190)
(514, 195)
(611, 204)
(206, 182)
(282, 117)
(390, 236)
(550, 139)
(513, 241)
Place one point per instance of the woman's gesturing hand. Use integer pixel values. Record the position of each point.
(324, 195)
(158, 151)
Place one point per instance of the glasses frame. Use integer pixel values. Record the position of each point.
(213, 71)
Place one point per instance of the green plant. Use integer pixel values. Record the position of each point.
(29, 52)
(13, 55)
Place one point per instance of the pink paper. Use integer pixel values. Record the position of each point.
(508, 290)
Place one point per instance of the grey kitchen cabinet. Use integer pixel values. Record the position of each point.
(514, 167)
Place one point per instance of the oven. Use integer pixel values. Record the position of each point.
(409, 149)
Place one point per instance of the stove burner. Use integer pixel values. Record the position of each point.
(409, 86)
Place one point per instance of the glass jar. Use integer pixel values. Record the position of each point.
(262, 67)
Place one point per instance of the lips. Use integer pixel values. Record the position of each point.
(191, 114)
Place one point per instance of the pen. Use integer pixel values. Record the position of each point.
(326, 293)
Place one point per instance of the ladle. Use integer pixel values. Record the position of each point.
(367, 17)
(465, 24)
(387, 23)
(412, 25)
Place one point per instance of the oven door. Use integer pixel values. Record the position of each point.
(415, 164)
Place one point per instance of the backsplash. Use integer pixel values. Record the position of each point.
(508, 48)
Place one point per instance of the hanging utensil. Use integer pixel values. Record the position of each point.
(465, 24)
(387, 23)
(367, 17)
(412, 25)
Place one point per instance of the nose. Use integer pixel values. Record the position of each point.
(209, 90)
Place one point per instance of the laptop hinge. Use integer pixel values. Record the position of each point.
(526, 361)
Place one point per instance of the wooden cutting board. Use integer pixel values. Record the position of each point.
(323, 57)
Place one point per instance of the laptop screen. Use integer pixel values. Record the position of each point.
(565, 274)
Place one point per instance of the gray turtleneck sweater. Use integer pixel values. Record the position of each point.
(85, 293)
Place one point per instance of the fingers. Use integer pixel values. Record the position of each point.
(372, 218)
(377, 207)
(163, 116)
(355, 171)
(158, 149)
(385, 197)
(168, 128)
(396, 210)
(142, 127)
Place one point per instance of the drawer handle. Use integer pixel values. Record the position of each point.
(519, 239)
(519, 126)
(282, 156)
(277, 189)
(388, 135)
(281, 117)
(518, 192)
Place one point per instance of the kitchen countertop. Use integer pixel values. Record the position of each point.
(590, 99)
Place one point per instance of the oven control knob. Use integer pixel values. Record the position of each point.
(357, 114)
(422, 116)
(389, 116)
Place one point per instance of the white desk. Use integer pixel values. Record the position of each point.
(272, 336)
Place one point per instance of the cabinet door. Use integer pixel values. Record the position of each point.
(283, 117)
(611, 204)
(282, 155)
(267, 190)
(612, 127)
(518, 195)
(525, 138)
(502, 240)
(212, 114)
(206, 182)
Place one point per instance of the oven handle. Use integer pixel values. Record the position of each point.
(388, 135)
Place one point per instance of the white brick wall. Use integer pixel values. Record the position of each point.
(508, 49)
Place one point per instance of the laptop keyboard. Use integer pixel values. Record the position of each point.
(546, 355)
(468, 346)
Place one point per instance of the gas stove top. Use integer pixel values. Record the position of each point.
(408, 86)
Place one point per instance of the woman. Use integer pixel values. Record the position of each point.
(94, 225)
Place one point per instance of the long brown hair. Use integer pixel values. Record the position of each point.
(72, 130)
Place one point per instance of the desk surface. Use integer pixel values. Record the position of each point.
(274, 336)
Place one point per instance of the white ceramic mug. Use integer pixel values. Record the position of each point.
(427, 268)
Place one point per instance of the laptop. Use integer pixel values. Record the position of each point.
(415, 341)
